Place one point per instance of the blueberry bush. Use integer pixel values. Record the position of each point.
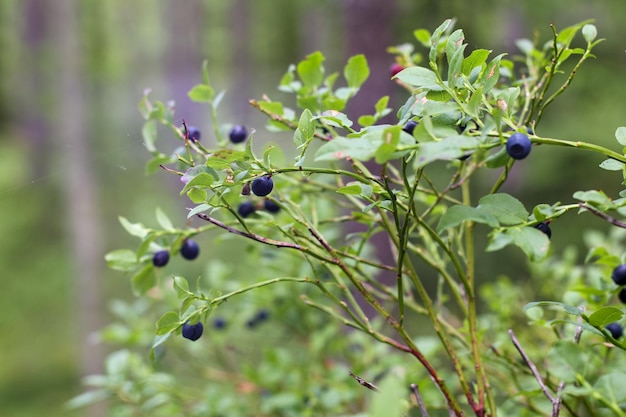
(292, 237)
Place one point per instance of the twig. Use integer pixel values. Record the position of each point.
(253, 236)
(604, 216)
(278, 118)
(363, 382)
(420, 401)
(532, 367)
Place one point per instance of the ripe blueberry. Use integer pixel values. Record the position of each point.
(545, 228)
(409, 127)
(395, 68)
(246, 208)
(238, 134)
(270, 206)
(262, 186)
(518, 146)
(189, 249)
(160, 258)
(619, 274)
(219, 323)
(615, 329)
(621, 295)
(261, 315)
(193, 133)
(192, 331)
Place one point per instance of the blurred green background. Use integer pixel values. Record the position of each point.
(72, 158)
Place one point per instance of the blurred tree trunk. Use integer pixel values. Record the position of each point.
(80, 189)
(240, 62)
(183, 57)
(368, 25)
(35, 33)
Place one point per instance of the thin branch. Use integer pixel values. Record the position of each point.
(420, 401)
(532, 367)
(253, 236)
(604, 216)
(278, 118)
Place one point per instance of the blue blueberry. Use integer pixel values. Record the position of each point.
(409, 127)
(219, 323)
(190, 249)
(270, 206)
(621, 295)
(619, 274)
(160, 258)
(192, 331)
(518, 146)
(545, 228)
(261, 315)
(238, 134)
(615, 329)
(246, 208)
(193, 133)
(262, 186)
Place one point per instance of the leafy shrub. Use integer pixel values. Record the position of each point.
(418, 338)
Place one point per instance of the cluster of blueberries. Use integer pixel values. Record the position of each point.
(190, 250)
(619, 277)
(195, 330)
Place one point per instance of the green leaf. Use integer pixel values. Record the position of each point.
(168, 322)
(356, 188)
(340, 148)
(201, 93)
(163, 220)
(305, 131)
(456, 215)
(310, 70)
(134, 229)
(423, 37)
(534, 243)
(434, 40)
(124, 260)
(366, 120)
(506, 208)
(620, 135)
(419, 77)
(222, 159)
(386, 151)
(611, 386)
(612, 165)
(198, 209)
(182, 287)
(149, 135)
(204, 180)
(566, 360)
(336, 119)
(605, 315)
(356, 71)
(381, 105)
(197, 195)
(450, 148)
(477, 58)
(570, 309)
(595, 198)
(143, 280)
(158, 340)
(491, 73)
